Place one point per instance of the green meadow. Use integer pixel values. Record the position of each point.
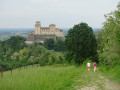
(40, 78)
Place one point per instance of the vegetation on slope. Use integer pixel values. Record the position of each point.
(40, 78)
(50, 44)
(109, 45)
(14, 52)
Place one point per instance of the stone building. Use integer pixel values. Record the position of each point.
(42, 33)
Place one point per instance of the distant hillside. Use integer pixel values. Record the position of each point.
(15, 29)
(6, 33)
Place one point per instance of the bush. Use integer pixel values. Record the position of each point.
(49, 44)
(42, 63)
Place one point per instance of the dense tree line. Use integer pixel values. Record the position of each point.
(109, 45)
(14, 52)
(109, 40)
(15, 43)
(56, 46)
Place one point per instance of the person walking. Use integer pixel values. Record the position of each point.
(88, 65)
(94, 65)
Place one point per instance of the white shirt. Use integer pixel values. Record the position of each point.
(88, 64)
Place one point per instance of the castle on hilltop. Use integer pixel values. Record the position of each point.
(42, 33)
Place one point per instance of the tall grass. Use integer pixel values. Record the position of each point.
(40, 78)
(111, 72)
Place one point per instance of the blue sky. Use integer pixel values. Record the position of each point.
(63, 13)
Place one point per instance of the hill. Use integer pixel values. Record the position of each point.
(40, 78)
(55, 78)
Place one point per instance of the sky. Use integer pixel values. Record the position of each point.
(63, 13)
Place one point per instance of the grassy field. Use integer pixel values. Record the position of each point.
(56, 78)
(41, 78)
(112, 73)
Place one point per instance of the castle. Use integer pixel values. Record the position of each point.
(42, 33)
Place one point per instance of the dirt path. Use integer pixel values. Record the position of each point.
(95, 81)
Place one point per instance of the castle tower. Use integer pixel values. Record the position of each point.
(52, 28)
(37, 28)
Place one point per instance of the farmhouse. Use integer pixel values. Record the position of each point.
(42, 33)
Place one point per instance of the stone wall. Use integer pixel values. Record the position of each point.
(41, 38)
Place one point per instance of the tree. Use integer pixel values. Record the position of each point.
(24, 55)
(80, 43)
(49, 43)
(59, 46)
(15, 56)
(15, 43)
(109, 39)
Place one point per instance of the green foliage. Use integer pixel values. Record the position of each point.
(109, 45)
(49, 44)
(59, 46)
(109, 39)
(7, 65)
(23, 55)
(42, 63)
(8, 47)
(52, 45)
(112, 73)
(86, 61)
(15, 43)
(15, 56)
(80, 44)
(26, 55)
(60, 60)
